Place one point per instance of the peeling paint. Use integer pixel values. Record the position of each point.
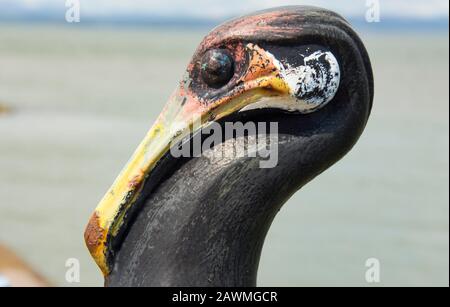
(95, 238)
(313, 84)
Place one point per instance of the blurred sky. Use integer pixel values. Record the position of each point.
(416, 9)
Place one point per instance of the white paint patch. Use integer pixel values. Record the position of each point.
(313, 84)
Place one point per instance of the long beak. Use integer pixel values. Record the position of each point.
(174, 123)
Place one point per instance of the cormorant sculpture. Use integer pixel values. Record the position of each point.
(202, 221)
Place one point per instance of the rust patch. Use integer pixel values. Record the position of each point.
(136, 182)
(260, 64)
(278, 24)
(94, 236)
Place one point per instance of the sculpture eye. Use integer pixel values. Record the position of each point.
(217, 67)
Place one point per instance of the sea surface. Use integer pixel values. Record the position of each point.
(81, 99)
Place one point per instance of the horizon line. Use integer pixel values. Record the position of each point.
(387, 22)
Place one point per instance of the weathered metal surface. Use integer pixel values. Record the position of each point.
(253, 42)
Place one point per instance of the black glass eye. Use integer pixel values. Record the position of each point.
(217, 67)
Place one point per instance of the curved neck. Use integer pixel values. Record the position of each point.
(204, 226)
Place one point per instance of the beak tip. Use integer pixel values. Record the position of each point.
(95, 238)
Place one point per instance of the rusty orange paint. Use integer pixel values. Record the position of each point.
(136, 181)
(95, 238)
(253, 27)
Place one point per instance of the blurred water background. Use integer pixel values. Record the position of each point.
(81, 99)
